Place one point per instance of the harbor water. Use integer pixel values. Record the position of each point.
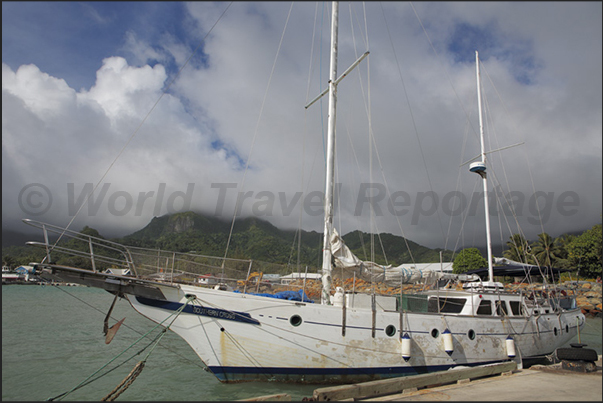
(52, 341)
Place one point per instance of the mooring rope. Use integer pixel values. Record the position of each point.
(129, 327)
(139, 366)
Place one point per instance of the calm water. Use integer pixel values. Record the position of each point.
(52, 340)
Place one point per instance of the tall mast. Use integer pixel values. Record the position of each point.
(330, 169)
(480, 168)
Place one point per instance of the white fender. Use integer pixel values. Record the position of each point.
(510, 346)
(447, 336)
(406, 347)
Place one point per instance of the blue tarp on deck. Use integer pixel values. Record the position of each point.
(288, 295)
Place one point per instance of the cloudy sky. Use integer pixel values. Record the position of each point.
(173, 106)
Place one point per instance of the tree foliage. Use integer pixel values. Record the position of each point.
(518, 249)
(563, 242)
(584, 252)
(468, 259)
(546, 251)
(579, 253)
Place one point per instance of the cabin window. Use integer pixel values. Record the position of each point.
(447, 305)
(484, 308)
(501, 308)
(515, 307)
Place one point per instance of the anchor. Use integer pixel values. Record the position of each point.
(110, 332)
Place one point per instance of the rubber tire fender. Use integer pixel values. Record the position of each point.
(577, 354)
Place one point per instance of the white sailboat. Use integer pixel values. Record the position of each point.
(346, 336)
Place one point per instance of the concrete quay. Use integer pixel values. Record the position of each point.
(498, 382)
(537, 383)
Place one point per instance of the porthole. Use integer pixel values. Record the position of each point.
(471, 334)
(390, 330)
(435, 333)
(295, 320)
(555, 331)
(566, 328)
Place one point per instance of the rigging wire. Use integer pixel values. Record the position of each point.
(127, 326)
(366, 96)
(443, 66)
(90, 378)
(138, 127)
(458, 186)
(503, 202)
(305, 188)
(525, 154)
(255, 132)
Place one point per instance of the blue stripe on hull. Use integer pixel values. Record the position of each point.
(324, 375)
(200, 310)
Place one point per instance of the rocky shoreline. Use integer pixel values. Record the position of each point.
(588, 294)
(589, 298)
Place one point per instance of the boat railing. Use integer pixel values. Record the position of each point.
(95, 253)
(70, 248)
(82, 250)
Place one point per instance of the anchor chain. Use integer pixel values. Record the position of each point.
(119, 389)
(125, 384)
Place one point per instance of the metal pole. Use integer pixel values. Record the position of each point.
(485, 183)
(330, 169)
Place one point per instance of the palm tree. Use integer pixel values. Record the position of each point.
(518, 249)
(562, 243)
(546, 250)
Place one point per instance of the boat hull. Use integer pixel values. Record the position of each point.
(243, 337)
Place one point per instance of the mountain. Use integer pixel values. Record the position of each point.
(14, 238)
(396, 251)
(259, 240)
(252, 238)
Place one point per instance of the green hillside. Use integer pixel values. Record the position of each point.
(258, 239)
(395, 249)
(252, 238)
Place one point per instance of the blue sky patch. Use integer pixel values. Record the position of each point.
(516, 54)
(466, 39)
(231, 154)
(70, 39)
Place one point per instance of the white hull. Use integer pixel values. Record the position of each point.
(242, 337)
